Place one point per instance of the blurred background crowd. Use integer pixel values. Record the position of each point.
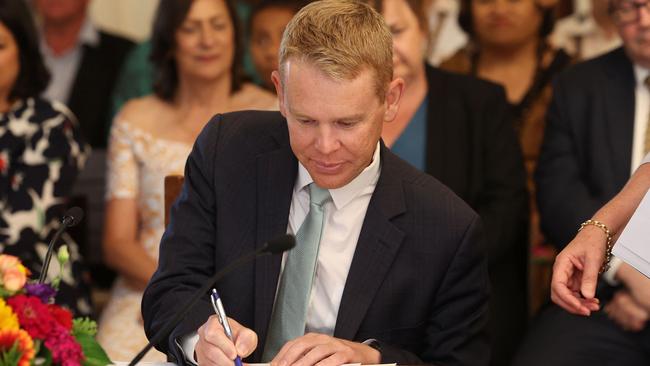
(101, 99)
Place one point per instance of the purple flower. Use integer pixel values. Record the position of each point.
(42, 291)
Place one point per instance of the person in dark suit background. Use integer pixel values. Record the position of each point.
(459, 130)
(401, 274)
(594, 139)
(85, 63)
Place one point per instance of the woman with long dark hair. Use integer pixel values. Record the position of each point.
(41, 154)
(196, 51)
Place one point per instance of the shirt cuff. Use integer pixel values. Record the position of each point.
(187, 345)
(610, 275)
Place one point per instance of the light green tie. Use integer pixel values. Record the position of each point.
(290, 311)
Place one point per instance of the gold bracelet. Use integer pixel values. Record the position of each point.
(608, 249)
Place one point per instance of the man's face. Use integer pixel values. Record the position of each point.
(61, 11)
(333, 125)
(634, 33)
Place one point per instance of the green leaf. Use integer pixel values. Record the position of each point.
(10, 357)
(93, 353)
(84, 326)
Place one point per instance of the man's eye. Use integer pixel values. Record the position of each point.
(345, 124)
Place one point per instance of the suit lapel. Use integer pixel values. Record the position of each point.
(276, 176)
(620, 105)
(378, 244)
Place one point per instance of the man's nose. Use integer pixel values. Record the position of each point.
(326, 141)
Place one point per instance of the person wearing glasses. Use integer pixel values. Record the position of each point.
(596, 135)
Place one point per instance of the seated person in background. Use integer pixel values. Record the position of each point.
(196, 50)
(588, 32)
(508, 45)
(267, 22)
(595, 137)
(458, 129)
(84, 62)
(388, 265)
(41, 153)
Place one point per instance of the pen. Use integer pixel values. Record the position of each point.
(221, 314)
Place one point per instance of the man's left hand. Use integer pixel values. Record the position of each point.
(314, 348)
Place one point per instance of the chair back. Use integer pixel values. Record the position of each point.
(173, 186)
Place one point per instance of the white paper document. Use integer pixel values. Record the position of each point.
(633, 246)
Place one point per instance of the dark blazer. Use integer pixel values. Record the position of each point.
(472, 148)
(90, 96)
(587, 150)
(418, 280)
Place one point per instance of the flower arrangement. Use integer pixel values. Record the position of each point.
(36, 331)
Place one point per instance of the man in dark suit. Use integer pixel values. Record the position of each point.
(472, 149)
(594, 140)
(399, 275)
(84, 62)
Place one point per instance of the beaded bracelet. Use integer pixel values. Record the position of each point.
(610, 244)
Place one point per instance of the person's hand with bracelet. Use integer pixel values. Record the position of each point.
(576, 268)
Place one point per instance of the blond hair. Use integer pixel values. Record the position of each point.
(341, 38)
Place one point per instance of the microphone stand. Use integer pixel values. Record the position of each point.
(66, 222)
(195, 298)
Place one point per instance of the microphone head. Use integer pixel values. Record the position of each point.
(280, 244)
(72, 216)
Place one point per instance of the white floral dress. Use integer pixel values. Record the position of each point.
(137, 165)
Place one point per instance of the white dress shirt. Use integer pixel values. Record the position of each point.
(641, 116)
(344, 216)
(63, 68)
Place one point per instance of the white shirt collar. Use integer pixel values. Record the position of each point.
(88, 34)
(640, 74)
(367, 179)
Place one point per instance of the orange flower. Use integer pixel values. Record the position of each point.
(13, 274)
(9, 337)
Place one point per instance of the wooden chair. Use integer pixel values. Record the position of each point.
(173, 186)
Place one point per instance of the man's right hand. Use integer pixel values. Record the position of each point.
(214, 347)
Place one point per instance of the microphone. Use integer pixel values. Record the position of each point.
(274, 246)
(70, 218)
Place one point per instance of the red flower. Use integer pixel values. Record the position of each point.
(64, 348)
(61, 315)
(50, 323)
(33, 315)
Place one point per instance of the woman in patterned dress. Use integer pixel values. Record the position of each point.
(41, 153)
(197, 55)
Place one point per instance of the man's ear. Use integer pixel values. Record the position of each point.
(393, 98)
(277, 82)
